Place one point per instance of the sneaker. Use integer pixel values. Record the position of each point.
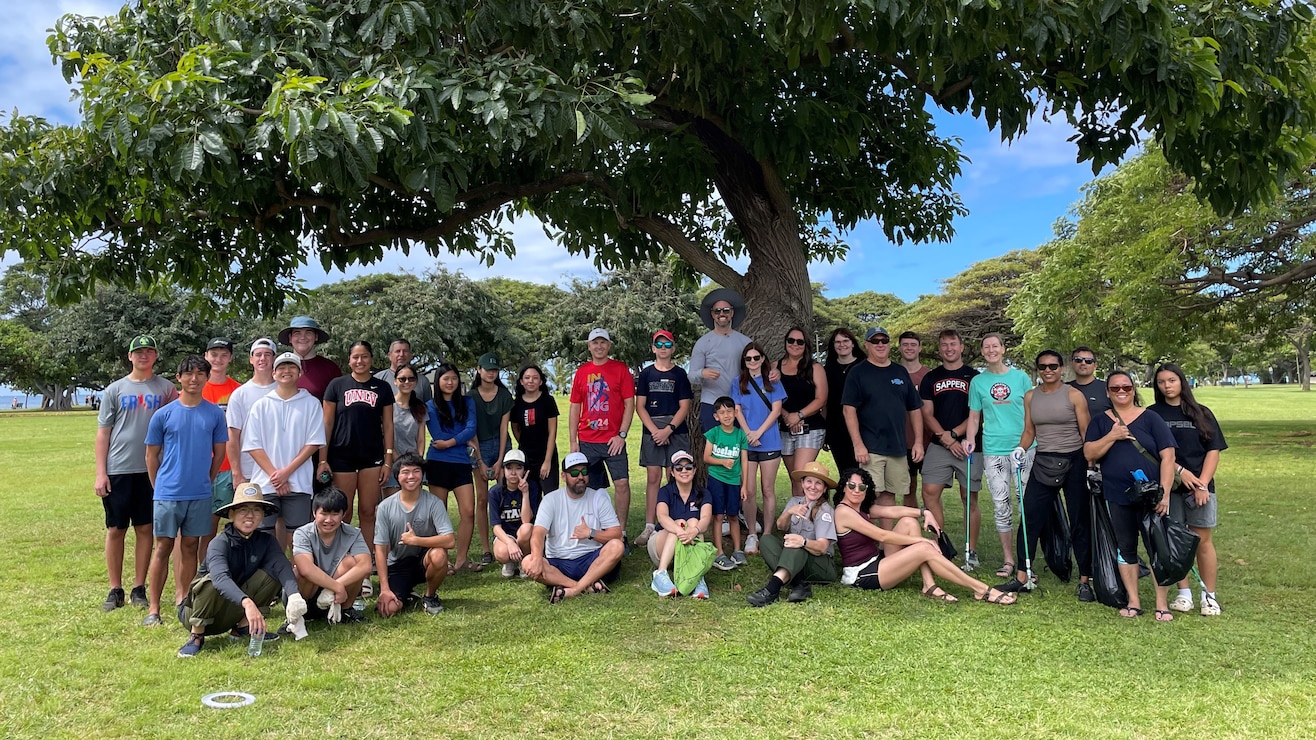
(761, 597)
(722, 562)
(752, 545)
(433, 605)
(1013, 586)
(137, 597)
(642, 540)
(1210, 605)
(238, 634)
(192, 647)
(738, 557)
(509, 570)
(367, 588)
(801, 592)
(701, 591)
(971, 561)
(113, 601)
(662, 584)
(1182, 603)
(1085, 593)
(354, 616)
(486, 558)
(152, 620)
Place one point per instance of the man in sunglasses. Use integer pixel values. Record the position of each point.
(662, 401)
(715, 359)
(1084, 362)
(575, 546)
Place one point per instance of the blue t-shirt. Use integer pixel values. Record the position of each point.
(756, 412)
(188, 436)
(463, 433)
(663, 392)
(1123, 458)
(505, 505)
(678, 509)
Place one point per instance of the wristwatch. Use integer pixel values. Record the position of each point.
(622, 434)
(591, 533)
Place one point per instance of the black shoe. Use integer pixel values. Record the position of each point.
(353, 616)
(1085, 593)
(1014, 586)
(800, 592)
(137, 597)
(113, 601)
(762, 597)
(433, 605)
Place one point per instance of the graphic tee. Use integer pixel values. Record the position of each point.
(948, 390)
(126, 407)
(726, 446)
(663, 392)
(505, 505)
(1000, 398)
(1191, 452)
(532, 417)
(359, 414)
(601, 391)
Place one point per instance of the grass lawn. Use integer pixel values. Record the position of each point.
(501, 662)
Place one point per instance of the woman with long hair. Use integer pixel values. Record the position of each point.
(803, 554)
(804, 429)
(841, 359)
(493, 412)
(758, 405)
(408, 419)
(450, 419)
(534, 425)
(1198, 455)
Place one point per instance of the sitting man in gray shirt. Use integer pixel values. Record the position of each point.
(576, 544)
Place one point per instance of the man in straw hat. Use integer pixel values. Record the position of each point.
(246, 571)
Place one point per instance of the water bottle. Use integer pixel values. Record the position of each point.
(256, 643)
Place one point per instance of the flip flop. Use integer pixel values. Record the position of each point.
(599, 587)
(1006, 570)
(1164, 615)
(1002, 598)
(1134, 612)
(937, 593)
(556, 594)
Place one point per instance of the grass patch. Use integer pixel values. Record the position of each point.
(501, 661)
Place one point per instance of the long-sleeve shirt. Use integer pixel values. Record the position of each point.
(716, 352)
(461, 433)
(232, 559)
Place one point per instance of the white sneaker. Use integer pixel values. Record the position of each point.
(752, 545)
(509, 570)
(642, 540)
(1182, 603)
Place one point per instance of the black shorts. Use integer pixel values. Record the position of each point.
(130, 502)
(346, 460)
(405, 575)
(914, 467)
(758, 456)
(448, 475)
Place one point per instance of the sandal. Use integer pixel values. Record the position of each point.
(1164, 615)
(556, 594)
(1182, 603)
(937, 593)
(1210, 606)
(466, 567)
(1002, 598)
(599, 587)
(1006, 570)
(1133, 612)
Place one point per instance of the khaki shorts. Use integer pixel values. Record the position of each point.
(890, 472)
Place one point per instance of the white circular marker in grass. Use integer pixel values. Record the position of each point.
(228, 699)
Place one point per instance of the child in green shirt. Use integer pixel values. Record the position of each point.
(725, 454)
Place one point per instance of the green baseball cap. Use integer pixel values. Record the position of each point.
(142, 341)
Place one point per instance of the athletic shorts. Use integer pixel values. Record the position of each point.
(890, 472)
(653, 455)
(758, 456)
(221, 492)
(1184, 508)
(576, 568)
(603, 466)
(405, 575)
(294, 510)
(448, 475)
(188, 518)
(130, 501)
(725, 497)
(351, 460)
(863, 575)
(941, 468)
(914, 467)
(810, 440)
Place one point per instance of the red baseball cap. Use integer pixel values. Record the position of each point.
(665, 334)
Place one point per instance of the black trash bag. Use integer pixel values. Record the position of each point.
(1056, 542)
(1106, 581)
(1172, 547)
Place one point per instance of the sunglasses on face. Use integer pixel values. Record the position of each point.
(663, 345)
(861, 487)
(683, 468)
(753, 358)
(880, 340)
(406, 378)
(1048, 366)
(1120, 388)
(721, 311)
(577, 472)
(793, 340)
(1084, 360)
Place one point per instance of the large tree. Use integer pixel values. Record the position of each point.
(222, 141)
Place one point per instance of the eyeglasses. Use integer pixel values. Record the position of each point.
(576, 472)
(1120, 388)
(861, 487)
(1048, 366)
(793, 340)
(753, 358)
(406, 378)
(664, 345)
(720, 311)
(879, 339)
(1084, 360)
(683, 468)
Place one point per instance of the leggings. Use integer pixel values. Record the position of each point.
(1126, 520)
(1039, 499)
(999, 474)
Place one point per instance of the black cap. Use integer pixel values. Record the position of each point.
(220, 343)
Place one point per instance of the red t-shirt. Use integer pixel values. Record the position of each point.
(601, 391)
(218, 393)
(316, 374)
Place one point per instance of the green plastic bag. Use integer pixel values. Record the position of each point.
(690, 564)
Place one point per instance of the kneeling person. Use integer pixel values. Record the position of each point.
(512, 507)
(412, 537)
(246, 571)
(576, 543)
(331, 557)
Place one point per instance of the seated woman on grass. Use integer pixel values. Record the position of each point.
(903, 550)
(800, 552)
(684, 512)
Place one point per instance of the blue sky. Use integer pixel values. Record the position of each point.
(1014, 193)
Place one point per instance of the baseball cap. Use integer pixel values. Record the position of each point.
(514, 456)
(574, 459)
(680, 455)
(142, 341)
(664, 334)
(265, 343)
(599, 333)
(876, 330)
(288, 357)
(219, 343)
(489, 361)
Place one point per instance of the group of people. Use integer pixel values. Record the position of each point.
(290, 456)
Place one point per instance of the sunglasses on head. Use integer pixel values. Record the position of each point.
(576, 472)
(1119, 388)
(1048, 366)
(663, 344)
(853, 486)
(793, 340)
(683, 468)
(723, 310)
(753, 358)
(1084, 360)
(879, 339)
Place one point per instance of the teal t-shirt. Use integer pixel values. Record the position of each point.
(1000, 398)
(726, 446)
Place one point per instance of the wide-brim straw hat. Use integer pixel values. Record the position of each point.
(817, 470)
(723, 294)
(247, 493)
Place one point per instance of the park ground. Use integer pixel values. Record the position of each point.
(501, 662)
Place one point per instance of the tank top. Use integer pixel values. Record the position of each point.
(799, 393)
(856, 547)
(1055, 421)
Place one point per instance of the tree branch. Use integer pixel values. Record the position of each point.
(670, 235)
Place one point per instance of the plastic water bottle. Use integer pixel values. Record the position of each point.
(256, 643)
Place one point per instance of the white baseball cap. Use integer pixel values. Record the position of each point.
(514, 456)
(599, 333)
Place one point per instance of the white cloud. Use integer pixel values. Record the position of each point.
(29, 81)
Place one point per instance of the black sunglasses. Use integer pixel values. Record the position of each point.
(406, 378)
(753, 358)
(1048, 366)
(793, 340)
(879, 339)
(723, 310)
(1084, 360)
(683, 468)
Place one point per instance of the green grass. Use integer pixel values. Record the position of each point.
(501, 662)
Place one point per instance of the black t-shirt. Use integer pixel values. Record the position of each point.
(1191, 452)
(663, 392)
(883, 398)
(532, 417)
(836, 376)
(359, 413)
(948, 390)
(1095, 393)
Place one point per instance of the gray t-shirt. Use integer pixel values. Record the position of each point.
(429, 517)
(348, 541)
(127, 407)
(240, 402)
(822, 526)
(405, 429)
(559, 513)
(716, 352)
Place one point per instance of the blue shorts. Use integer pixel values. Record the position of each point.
(489, 452)
(725, 497)
(221, 493)
(575, 568)
(188, 518)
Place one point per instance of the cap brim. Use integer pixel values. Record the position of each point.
(723, 294)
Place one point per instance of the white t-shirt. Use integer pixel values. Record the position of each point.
(282, 428)
(239, 406)
(559, 513)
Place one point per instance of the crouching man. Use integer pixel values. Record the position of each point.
(332, 559)
(412, 537)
